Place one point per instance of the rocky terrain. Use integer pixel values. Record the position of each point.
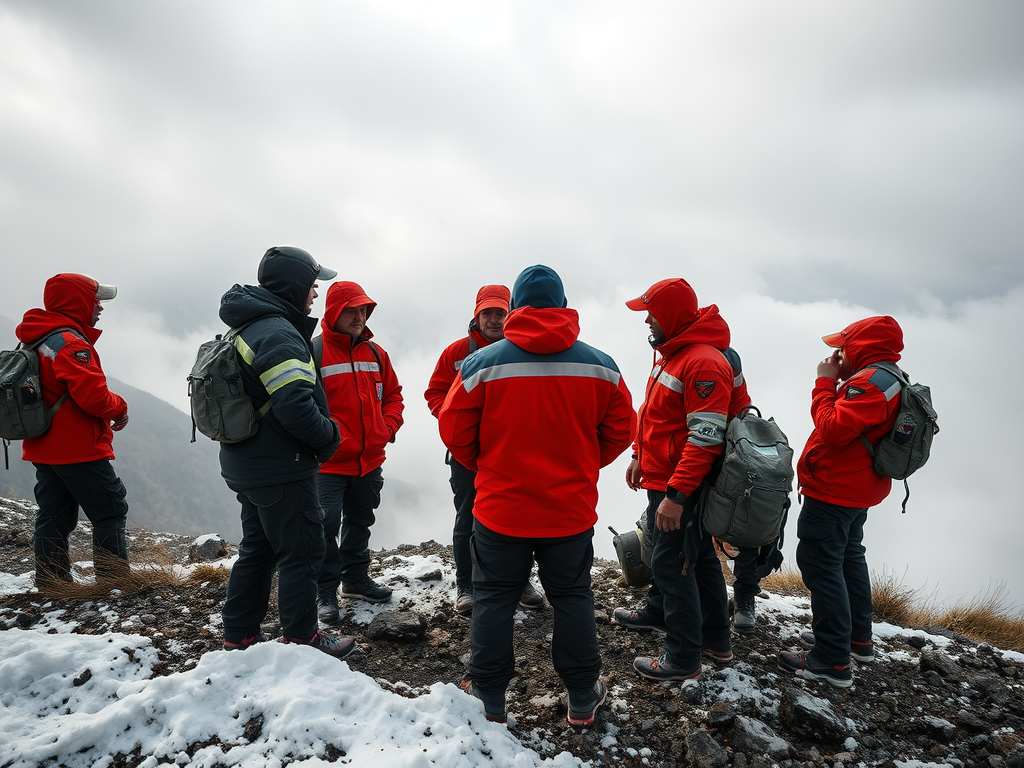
(930, 697)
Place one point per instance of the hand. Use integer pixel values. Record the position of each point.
(668, 516)
(829, 367)
(121, 423)
(633, 477)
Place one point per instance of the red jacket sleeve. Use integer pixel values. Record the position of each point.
(459, 423)
(706, 420)
(617, 430)
(841, 421)
(392, 403)
(77, 366)
(441, 380)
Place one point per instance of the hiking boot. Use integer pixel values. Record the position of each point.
(366, 589)
(494, 701)
(642, 619)
(583, 705)
(862, 651)
(719, 657)
(327, 610)
(464, 602)
(531, 598)
(338, 646)
(743, 619)
(661, 669)
(259, 637)
(797, 663)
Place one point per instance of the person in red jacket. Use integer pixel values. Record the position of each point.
(691, 394)
(485, 328)
(72, 459)
(536, 415)
(365, 399)
(851, 397)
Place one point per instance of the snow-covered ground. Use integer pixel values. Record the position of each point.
(79, 699)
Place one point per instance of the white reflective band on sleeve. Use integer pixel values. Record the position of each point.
(334, 370)
(670, 381)
(738, 379)
(554, 369)
(892, 391)
(706, 428)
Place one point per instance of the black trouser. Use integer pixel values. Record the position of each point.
(282, 528)
(748, 582)
(501, 567)
(695, 599)
(831, 557)
(348, 503)
(61, 489)
(463, 482)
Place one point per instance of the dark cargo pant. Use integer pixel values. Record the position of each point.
(831, 558)
(501, 567)
(61, 489)
(282, 528)
(348, 502)
(463, 482)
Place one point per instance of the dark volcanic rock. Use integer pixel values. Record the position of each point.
(397, 625)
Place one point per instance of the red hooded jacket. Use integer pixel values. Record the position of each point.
(68, 362)
(537, 415)
(363, 393)
(691, 394)
(835, 466)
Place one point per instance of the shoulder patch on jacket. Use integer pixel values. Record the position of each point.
(852, 393)
(82, 356)
(704, 388)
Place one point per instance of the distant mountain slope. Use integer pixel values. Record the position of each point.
(173, 485)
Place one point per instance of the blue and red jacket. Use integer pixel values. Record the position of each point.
(363, 393)
(68, 362)
(835, 466)
(536, 416)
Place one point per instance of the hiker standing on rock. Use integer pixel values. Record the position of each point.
(274, 471)
(690, 398)
(72, 459)
(365, 401)
(851, 397)
(536, 416)
(486, 327)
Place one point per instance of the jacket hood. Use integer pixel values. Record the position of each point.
(68, 301)
(289, 273)
(868, 341)
(242, 304)
(709, 327)
(341, 295)
(543, 331)
(538, 287)
(672, 302)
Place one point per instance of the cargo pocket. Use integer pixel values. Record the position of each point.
(117, 494)
(264, 495)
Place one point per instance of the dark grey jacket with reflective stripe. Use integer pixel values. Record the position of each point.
(297, 433)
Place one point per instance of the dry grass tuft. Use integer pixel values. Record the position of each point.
(988, 618)
(786, 581)
(158, 570)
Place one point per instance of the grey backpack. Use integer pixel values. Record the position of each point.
(221, 408)
(748, 501)
(23, 413)
(907, 446)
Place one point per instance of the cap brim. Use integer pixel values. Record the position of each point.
(326, 274)
(492, 304)
(637, 305)
(105, 292)
(834, 340)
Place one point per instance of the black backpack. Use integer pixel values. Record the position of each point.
(907, 446)
(23, 413)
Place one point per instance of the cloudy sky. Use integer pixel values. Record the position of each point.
(801, 164)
